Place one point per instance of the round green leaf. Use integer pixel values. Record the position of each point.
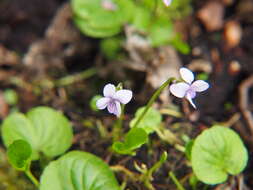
(149, 122)
(78, 171)
(134, 139)
(217, 152)
(45, 129)
(93, 19)
(19, 153)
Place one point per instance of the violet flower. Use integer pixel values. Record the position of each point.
(112, 99)
(188, 88)
(167, 2)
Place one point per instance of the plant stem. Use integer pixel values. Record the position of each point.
(118, 168)
(31, 177)
(75, 77)
(117, 128)
(152, 99)
(175, 180)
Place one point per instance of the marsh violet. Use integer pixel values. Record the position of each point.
(188, 88)
(113, 98)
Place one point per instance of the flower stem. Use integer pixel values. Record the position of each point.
(117, 128)
(153, 98)
(175, 180)
(31, 177)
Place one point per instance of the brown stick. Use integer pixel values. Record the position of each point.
(244, 101)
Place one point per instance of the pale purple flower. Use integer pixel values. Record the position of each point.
(188, 88)
(112, 99)
(109, 5)
(167, 2)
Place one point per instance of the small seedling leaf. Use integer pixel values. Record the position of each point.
(19, 154)
(93, 102)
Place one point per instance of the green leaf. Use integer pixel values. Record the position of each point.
(142, 19)
(111, 47)
(19, 153)
(161, 32)
(95, 21)
(202, 76)
(11, 96)
(216, 153)
(93, 102)
(46, 130)
(180, 45)
(193, 181)
(188, 149)
(134, 139)
(78, 171)
(95, 32)
(149, 122)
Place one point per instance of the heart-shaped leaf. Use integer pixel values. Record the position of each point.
(46, 130)
(134, 139)
(19, 154)
(95, 20)
(217, 152)
(149, 122)
(78, 171)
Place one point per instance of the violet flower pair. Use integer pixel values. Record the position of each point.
(187, 89)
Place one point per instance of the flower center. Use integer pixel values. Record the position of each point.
(191, 92)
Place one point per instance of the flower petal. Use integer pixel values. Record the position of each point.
(179, 89)
(189, 98)
(167, 2)
(114, 108)
(109, 90)
(199, 86)
(187, 75)
(118, 110)
(102, 103)
(123, 96)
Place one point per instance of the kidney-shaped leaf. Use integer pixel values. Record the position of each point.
(216, 153)
(78, 171)
(19, 153)
(45, 129)
(93, 19)
(134, 139)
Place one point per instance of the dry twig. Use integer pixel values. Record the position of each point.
(244, 101)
